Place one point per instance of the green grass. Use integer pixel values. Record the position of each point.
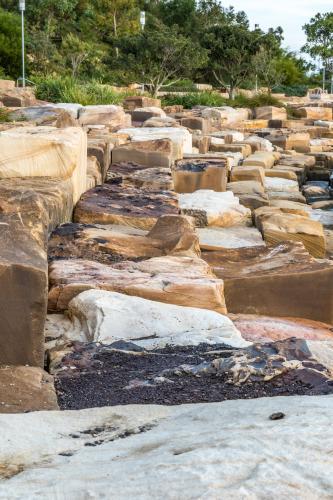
(4, 116)
(214, 99)
(69, 90)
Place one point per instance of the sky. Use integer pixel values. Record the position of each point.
(290, 14)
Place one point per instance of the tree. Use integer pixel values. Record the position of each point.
(319, 34)
(10, 43)
(161, 56)
(269, 69)
(232, 48)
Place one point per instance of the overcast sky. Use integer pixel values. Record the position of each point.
(290, 14)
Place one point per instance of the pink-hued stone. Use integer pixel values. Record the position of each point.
(265, 329)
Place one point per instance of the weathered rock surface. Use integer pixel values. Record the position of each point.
(278, 227)
(171, 235)
(155, 153)
(256, 328)
(229, 237)
(172, 441)
(108, 317)
(25, 388)
(283, 280)
(29, 209)
(179, 136)
(281, 184)
(45, 152)
(270, 113)
(110, 204)
(210, 208)
(182, 281)
(112, 116)
(256, 174)
(192, 175)
(263, 159)
(312, 113)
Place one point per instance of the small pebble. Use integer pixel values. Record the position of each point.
(277, 416)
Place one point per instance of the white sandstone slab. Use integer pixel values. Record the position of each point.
(265, 144)
(220, 209)
(217, 450)
(229, 237)
(107, 317)
(178, 135)
(281, 184)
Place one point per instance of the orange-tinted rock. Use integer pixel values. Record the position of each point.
(192, 175)
(283, 280)
(174, 280)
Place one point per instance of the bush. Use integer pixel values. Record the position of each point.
(195, 99)
(214, 99)
(69, 90)
(4, 116)
(294, 90)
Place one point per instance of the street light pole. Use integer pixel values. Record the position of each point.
(22, 9)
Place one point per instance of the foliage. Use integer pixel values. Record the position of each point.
(69, 90)
(161, 56)
(292, 90)
(4, 116)
(10, 40)
(213, 99)
(319, 34)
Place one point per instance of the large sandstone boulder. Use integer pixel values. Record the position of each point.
(283, 280)
(182, 281)
(108, 317)
(144, 442)
(192, 175)
(270, 113)
(45, 152)
(225, 115)
(112, 116)
(29, 210)
(251, 194)
(213, 209)
(155, 153)
(25, 389)
(179, 136)
(125, 205)
(142, 114)
(171, 235)
(18, 97)
(281, 184)
(299, 141)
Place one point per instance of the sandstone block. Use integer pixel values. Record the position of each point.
(25, 389)
(171, 235)
(196, 123)
(182, 281)
(283, 280)
(281, 184)
(282, 173)
(133, 102)
(192, 175)
(109, 204)
(256, 174)
(45, 152)
(213, 209)
(155, 153)
(270, 113)
(179, 136)
(311, 113)
(229, 237)
(112, 116)
(279, 227)
(260, 159)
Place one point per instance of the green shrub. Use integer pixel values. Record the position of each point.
(214, 99)
(195, 99)
(69, 90)
(4, 116)
(294, 90)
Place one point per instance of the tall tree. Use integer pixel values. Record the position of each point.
(10, 43)
(161, 56)
(231, 52)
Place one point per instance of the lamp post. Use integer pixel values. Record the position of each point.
(22, 9)
(142, 19)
